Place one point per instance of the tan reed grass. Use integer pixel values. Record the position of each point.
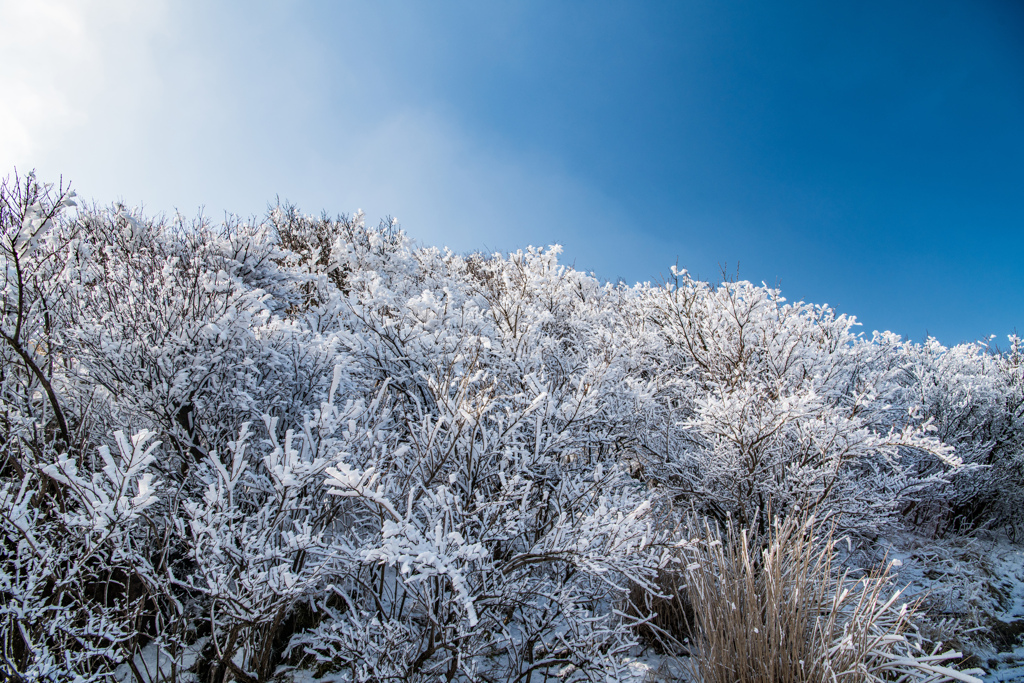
(774, 608)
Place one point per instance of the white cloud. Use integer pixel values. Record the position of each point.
(61, 59)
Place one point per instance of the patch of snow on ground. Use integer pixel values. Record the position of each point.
(1008, 566)
(155, 664)
(652, 668)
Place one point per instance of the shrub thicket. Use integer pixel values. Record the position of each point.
(231, 452)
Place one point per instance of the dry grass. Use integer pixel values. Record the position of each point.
(774, 609)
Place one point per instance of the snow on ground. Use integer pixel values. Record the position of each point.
(977, 582)
(1007, 664)
(651, 668)
(155, 665)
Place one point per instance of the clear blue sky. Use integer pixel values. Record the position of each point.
(865, 154)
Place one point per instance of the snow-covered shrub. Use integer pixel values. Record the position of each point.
(779, 407)
(35, 246)
(264, 538)
(976, 399)
(170, 328)
(76, 574)
(503, 529)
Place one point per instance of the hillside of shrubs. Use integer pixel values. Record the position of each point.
(300, 448)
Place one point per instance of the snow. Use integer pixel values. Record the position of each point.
(156, 665)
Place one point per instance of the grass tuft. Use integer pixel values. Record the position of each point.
(773, 608)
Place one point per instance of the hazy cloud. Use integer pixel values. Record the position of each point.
(66, 63)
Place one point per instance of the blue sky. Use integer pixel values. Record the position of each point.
(865, 154)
